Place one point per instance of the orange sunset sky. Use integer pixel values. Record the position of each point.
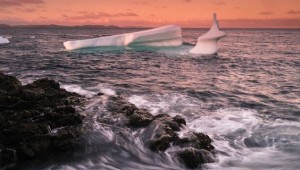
(151, 13)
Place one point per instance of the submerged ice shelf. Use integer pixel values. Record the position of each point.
(167, 36)
(3, 40)
(157, 37)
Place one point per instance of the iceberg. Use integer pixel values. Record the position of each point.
(3, 40)
(157, 37)
(208, 43)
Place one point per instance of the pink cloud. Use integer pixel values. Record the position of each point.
(89, 16)
(220, 3)
(27, 10)
(10, 3)
(293, 12)
(265, 13)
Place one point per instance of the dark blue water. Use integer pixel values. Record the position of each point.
(247, 98)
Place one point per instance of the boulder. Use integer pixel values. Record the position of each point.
(7, 157)
(193, 158)
(158, 136)
(195, 140)
(35, 119)
(140, 118)
(161, 132)
(135, 117)
(8, 83)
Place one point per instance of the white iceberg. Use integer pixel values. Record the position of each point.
(3, 40)
(157, 37)
(208, 42)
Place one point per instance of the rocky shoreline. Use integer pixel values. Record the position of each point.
(160, 133)
(40, 118)
(35, 119)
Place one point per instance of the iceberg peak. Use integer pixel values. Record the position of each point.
(208, 42)
(3, 40)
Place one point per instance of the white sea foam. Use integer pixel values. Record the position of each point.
(172, 104)
(107, 91)
(77, 89)
(229, 128)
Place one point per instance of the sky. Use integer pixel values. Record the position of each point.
(152, 13)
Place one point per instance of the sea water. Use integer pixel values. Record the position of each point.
(246, 98)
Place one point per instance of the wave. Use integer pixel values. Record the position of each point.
(243, 138)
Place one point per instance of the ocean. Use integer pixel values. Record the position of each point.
(246, 98)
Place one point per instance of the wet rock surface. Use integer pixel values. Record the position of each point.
(135, 117)
(192, 157)
(36, 118)
(39, 119)
(159, 133)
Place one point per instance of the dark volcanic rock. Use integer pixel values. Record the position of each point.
(140, 118)
(159, 135)
(135, 117)
(7, 157)
(29, 117)
(193, 158)
(195, 140)
(8, 83)
(159, 132)
(45, 83)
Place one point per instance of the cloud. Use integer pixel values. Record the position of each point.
(265, 13)
(87, 15)
(42, 18)
(234, 23)
(264, 23)
(220, 3)
(140, 2)
(26, 10)
(293, 12)
(127, 14)
(10, 3)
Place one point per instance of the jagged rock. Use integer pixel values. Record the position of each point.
(140, 118)
(45, 83)
(180, 120)
(159, 135)
(135, 117)
(28, 116)
(174, 123)
(195, 140)
(193, 158)
(65, 139)
(7, 157)
(8, 83)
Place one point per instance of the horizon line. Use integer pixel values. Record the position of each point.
(115, 26)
